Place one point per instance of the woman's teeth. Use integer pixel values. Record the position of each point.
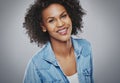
(63, 31)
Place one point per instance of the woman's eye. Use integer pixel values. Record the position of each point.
(50, 21)
(64, 16)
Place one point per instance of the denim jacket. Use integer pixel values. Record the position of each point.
(43, 67)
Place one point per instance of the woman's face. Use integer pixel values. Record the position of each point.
(57, 22)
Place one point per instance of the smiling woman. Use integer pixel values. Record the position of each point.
(63, 58)
(57, 23)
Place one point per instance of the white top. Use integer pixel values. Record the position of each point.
(73, 78)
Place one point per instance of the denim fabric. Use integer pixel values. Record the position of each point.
(43, 67)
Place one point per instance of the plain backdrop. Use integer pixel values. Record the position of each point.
(101, 28)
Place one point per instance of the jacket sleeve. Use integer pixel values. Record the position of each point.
(91, 62)
(87, 51)
(31, 74)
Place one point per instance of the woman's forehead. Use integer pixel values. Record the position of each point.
(53, 10)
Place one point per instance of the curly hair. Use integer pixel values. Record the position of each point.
(33, 18)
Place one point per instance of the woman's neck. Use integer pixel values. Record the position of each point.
(62, 49)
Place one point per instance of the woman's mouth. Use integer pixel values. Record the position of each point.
(63, 31)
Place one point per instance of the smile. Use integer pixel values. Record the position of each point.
(63, 31)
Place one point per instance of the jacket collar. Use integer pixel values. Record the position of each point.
(49, 55)
(77, 47)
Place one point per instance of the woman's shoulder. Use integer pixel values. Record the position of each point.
(82, 45)
(39, 52)
(38, 58)
(81, 41)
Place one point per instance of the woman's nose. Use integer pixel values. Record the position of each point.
(60, 23)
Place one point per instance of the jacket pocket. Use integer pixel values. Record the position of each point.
(87, 72)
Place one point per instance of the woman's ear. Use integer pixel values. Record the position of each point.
(43, 27)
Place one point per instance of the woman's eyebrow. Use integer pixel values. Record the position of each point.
(63, 13)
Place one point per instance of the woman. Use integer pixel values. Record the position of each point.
(63, 58)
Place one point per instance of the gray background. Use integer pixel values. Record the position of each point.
(101, 28)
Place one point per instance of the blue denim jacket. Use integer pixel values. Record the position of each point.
(43, 67)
